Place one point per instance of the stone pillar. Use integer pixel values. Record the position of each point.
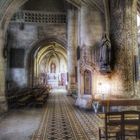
(72, 45)
(135, 47)
(86, 41)
(3, 103)
(91, 30)
(124, 42)
(79, 53)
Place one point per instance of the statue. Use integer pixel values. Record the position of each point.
(105, 54)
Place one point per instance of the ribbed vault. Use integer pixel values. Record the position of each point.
(41, 58)
(9, 7)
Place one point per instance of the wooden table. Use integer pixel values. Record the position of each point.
(108, 103)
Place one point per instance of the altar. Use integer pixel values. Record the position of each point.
(53, 79)
(57, 79)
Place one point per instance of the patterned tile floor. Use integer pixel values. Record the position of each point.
(63, 121)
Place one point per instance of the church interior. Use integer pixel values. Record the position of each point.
(69, 69)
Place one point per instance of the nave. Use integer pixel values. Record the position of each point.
(62, 121)
(58, 120)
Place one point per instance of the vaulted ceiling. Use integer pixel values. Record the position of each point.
(97, 3)
(6, 5)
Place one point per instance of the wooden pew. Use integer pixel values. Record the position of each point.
(15, 97)
(24, 101)
(42, 98)
(26, 96)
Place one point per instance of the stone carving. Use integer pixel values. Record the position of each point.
(105, 54)
(87, 82)
(85, 60)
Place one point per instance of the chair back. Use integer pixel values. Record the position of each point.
(113, 120)
(131, 119)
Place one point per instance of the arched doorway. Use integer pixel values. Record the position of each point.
(87, 82)
(48, 65)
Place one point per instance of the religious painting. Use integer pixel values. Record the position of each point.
(53, 67)
(87, 82)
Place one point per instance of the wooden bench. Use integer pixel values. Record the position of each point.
(26, 96)
(42, 98)
(14, 95)
(24, 101)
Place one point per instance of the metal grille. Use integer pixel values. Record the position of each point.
(39, 17)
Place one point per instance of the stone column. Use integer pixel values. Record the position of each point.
(72, 45)
(135, 47)
(86, 41)
(78, 61)
(91, 30)
(124, 42)
(3, 103)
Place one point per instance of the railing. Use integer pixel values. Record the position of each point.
(39, 17)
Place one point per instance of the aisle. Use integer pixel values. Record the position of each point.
(63, 121)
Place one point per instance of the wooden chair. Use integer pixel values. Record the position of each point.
(112, 127)
(131, 124)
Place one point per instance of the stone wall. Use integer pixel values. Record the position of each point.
(125, 47)
(24, 38)
(92, 27)
(121, 82)
(44, 5)
(72, 34)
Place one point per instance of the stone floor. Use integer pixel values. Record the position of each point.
(19, 124)
(59, 120)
